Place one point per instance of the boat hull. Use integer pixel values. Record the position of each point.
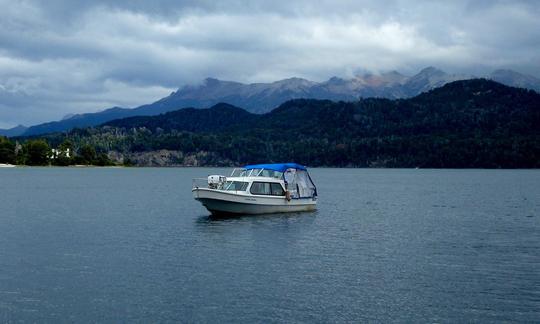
(220, 202)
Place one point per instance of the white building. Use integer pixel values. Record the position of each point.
(55, 153)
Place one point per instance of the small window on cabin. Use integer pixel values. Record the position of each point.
(277, 189)
(260, 188)
(267, 188)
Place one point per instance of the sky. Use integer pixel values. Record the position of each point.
(60, 57)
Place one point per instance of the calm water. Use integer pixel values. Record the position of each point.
(125, 245)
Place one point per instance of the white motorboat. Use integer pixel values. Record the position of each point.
(3, 165)
(258, 189)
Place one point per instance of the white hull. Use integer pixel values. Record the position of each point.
(223, 202)
(6, 165)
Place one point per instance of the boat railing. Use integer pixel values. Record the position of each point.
(200, 183)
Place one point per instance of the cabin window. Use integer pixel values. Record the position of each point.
(235, 186)
(260, 188)
(277, 189)
(267, 188)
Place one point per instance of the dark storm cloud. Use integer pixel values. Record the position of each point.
(59, 57)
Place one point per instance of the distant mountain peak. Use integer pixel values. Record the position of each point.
(336, 81)
(393, 72)
(209, 81)
(263, 97)
(224, 105)
(335, 78)
(293, 83)
(511, 77)
(14, 131)
(293, 80)
(430, 70)
(506, 72)
(385, 79)
(68, 116)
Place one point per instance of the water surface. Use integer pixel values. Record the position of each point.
(124, 245)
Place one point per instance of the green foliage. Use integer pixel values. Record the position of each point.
(87, 154)
(473, 123)
(7, 151)
(102, 160)
(128, 162)
(66, 146)
(36, 152)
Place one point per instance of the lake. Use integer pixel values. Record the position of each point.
(131, 245)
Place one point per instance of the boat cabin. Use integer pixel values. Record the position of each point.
(272, 179)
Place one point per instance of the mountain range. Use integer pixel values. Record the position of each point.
(468, 123)
(263, 97)
(15, 131)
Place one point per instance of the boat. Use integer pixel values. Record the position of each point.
(258, 189)
(3, 165)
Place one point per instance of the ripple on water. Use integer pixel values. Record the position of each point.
(384, 245)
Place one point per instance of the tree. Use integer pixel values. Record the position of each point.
(88, 154)
(103, 160)
(37, 152)
(7, 151)
(471, 123)
(128, 162)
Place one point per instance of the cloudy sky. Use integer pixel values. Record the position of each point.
(64, 56)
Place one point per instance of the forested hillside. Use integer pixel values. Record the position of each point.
(472, 123)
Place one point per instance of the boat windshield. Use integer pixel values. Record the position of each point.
(257, 173)
(271, 174)
(234, 186)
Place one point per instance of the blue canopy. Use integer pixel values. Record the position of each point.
(281, 167)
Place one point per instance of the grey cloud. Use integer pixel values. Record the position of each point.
(60, 56)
